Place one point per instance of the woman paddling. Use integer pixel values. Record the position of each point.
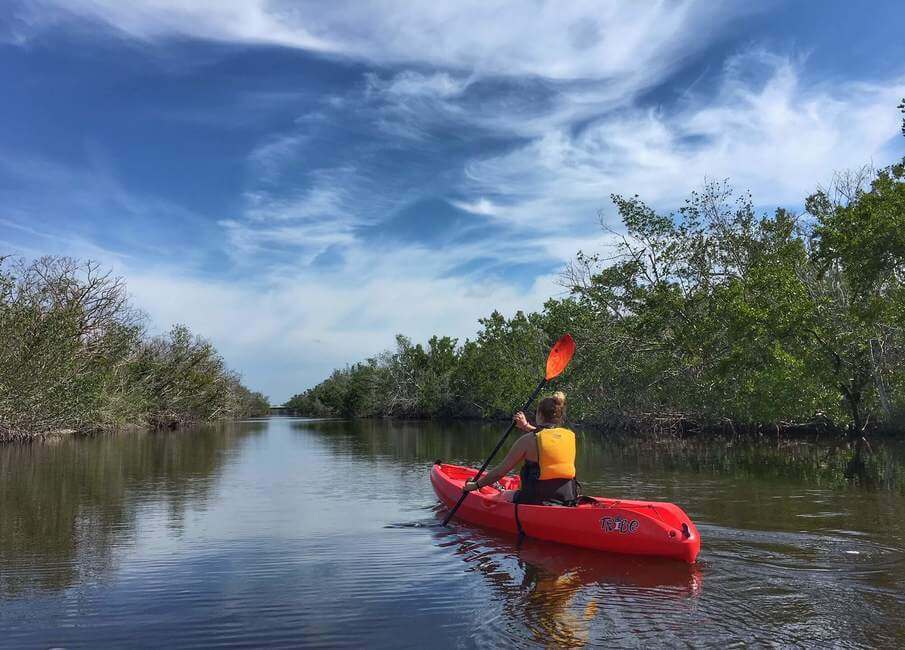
(548, 452)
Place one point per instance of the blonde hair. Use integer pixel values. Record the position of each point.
(552, 409)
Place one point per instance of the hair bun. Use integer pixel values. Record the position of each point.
(559, 397)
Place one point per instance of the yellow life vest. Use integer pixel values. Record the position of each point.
(556, 453)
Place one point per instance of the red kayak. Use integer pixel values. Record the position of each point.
(614, 525)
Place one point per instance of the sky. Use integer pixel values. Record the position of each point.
(301, 181)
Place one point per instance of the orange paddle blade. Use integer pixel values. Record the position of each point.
(560, 356)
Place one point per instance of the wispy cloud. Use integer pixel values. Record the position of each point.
(576, 40)
(775, 135)
(415, 84)
(92, 204)
(479, 206)
(42, 242)
(269, 159)
(226, 20)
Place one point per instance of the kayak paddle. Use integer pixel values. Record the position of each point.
(559, 357)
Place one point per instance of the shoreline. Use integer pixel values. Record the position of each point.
(646, 427)
(669, 427)
(56, 435)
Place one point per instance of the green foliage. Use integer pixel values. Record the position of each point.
(503, 363)
(443, 379)
(756, 319)
(74, 356)
(698, 315)
(864, 235)
(856, 282)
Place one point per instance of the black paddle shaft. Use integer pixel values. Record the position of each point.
(537, 390)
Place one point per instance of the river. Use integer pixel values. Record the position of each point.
(292, 532)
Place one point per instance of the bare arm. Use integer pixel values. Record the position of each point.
(514, 457)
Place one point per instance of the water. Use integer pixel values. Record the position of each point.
(290, 532)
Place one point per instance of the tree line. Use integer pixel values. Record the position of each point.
(709, 316)
(75, 355)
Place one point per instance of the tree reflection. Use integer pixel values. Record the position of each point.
(64, 507)
(810, 462)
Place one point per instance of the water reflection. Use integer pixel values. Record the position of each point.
(65, 506)
(404, 440)
(562, 596)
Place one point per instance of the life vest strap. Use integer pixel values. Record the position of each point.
(518, 522)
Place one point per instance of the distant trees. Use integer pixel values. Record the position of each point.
(411, 381)
(712, 314)
(182, 379)
(74, 355)
(248, 403)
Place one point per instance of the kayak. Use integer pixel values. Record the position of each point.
(652, 528)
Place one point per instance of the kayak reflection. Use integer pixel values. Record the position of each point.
(559, 595)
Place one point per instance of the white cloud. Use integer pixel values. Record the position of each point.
(307, 240)
(270, 157)
(334, 204)
(287, 332)
(778, 137)
(583, 39)
(415, 84)
(481, 206)
(224, 20)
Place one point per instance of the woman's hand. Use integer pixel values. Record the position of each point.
(470, 486)
(521, 422)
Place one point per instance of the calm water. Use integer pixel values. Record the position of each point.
(286, 532)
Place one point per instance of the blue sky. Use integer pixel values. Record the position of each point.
(301, 181)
